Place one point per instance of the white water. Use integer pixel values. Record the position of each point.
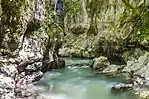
(78, 83)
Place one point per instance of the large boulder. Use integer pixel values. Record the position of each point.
(100, 63)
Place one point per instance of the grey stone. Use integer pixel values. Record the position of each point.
(139, 67)
(6, 82)
(9, 70)
(112, 69)
(100, 63)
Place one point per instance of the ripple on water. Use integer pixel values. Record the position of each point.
(75, 67)
(79, 83)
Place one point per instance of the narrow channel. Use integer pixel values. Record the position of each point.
(78, 81)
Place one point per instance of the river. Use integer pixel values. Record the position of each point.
(78, 81)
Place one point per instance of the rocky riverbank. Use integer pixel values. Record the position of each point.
(135, 72)
(18, 74)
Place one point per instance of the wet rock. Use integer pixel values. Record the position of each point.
(61, 63)
(35, 76)
(22, 66)
(100, 63)
(24, 86)
(121, 87)
(33, 68)
(80, 65)
(57, 64)
(47, 65)
(113, 69)
(29, 92)
(30, 69)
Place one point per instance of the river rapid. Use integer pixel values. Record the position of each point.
(78, 81)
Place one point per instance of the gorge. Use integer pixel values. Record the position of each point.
(109, 38)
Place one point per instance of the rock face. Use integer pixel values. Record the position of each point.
(27, 46)
(101, 28)
(139, 67)
(7, 81)
(7, 87)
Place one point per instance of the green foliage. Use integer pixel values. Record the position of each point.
(11, 12)
(144, 24)
(52, 24)
(94, 9)
(71, 7)
(12, 7)
(95, 6)
(128, 6)
(138, 15)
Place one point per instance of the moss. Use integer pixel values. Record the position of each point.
(10, 18)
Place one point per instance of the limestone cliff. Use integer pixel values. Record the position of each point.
(106, 27)
(29, 41)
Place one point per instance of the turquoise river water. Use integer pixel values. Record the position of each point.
(79, 82)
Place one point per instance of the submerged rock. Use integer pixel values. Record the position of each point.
(121, 87)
